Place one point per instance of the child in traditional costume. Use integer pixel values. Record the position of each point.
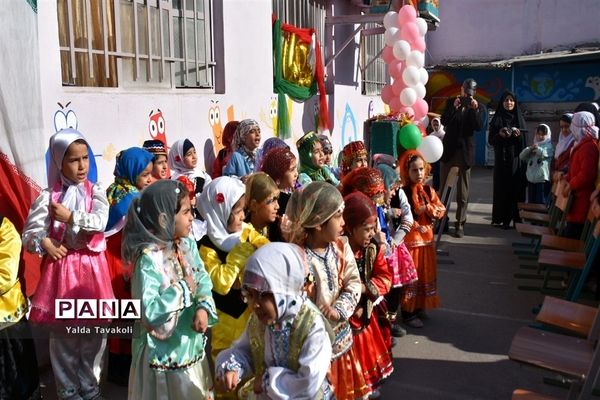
(246, 141)
(425, 206)
(225, 153)
(317, 222)
(286, 346)
(369, 343)
(169, 278)
(66, 226)
(160, 165)
(312, 161)
(354, 155)
(262, 203)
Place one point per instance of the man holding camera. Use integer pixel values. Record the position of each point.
(462, 117)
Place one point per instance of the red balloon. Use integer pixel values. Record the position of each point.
(387, 94)
(396, 69)
(419, 44)
(397, 86)
(421, 108)
(388, 54)
(395, 104)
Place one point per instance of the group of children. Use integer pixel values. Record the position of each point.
(298, 273)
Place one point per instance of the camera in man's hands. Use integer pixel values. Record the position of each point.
(465, 101)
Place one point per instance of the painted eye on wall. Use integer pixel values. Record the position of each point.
(217, 116)
(60, 121)
(72, 121)
(153, 128)
(161, 125)
(211, 116)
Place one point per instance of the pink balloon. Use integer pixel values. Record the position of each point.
(396, 69)
(407, 14)
(407, 110)
(419, 44)
(421, 108)
(410, 33)
(398, 86)
(395, 104)
(388, 54)
(387, 94)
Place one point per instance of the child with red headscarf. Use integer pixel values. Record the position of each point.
(369, 345)
(354, 155)
(225, 153)
(425, 207)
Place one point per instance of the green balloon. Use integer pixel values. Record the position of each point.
(410, 137)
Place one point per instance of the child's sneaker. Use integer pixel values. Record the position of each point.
(398, 331)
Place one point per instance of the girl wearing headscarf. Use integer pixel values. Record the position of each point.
(354, 155)
(437, 130)
(175, 293)
(66, 226)
(281, 165)
(422, 295)
(509, 171)
(286, 346)
(133, 172)
(537, 158)
(564, 145)
(269, 144)
(183, 162)
(225, 250)
(583, 168)
(245, 145)
(317, 222)
(328, 155)
(312, 161)
(369, 344)
(225, 153)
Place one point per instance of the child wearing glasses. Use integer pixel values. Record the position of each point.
(262, 195)
(286, 346)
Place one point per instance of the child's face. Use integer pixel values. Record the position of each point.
(265, 212)
(290, 177)
(539, 136)
(359, 162)
(263, 305)
(327, 158)
(416, 171)
(361, 235)
(190, 159)
(145, 178)
(184, 218)
(333, 228)
(252, 140)
(565, 128)
(76, 163)
(435, 125)
(159, 170)
(236, 218)
(318, 158)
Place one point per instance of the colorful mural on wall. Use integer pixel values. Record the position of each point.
(349, 128)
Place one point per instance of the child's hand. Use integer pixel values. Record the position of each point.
(230, 381)
(200, 323)
(330, 313)
(190, 282)
(55, 250)
(60, 212)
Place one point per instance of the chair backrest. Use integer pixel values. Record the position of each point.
(591, 257)
(562, 205)
(446, 198)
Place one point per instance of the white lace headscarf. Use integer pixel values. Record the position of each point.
(583, 125)
(216, 202)
(278, 268)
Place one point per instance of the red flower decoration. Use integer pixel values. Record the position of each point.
(220, 198)
(177, 158)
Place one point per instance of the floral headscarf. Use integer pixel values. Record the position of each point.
(239, 137)
(350, 152)
(365, 180)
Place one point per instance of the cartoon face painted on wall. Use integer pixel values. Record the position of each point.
(65, 118)
(214, 120)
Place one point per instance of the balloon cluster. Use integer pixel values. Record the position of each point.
(405, 58)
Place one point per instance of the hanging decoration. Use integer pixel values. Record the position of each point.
(299, 73)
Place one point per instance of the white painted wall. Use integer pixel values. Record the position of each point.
(483, 30)
(113, 118)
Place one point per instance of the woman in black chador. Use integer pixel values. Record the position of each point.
(507, 135)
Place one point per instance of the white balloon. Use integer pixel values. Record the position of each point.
(391, 20)
(401, 49)
(408, 96)
(420, 90)
(411, 76)
(424, 122)
(424, 76)
(421, 24)
(431, 148)
(415, 59)
(391, 35)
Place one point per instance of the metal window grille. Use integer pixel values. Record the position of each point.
(302, 14)
(374, 72)
(164, 43)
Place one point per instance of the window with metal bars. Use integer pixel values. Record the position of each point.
(374, 71)
(137, 43)
(302, 14)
